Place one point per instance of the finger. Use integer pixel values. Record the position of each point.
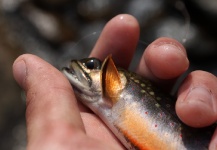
(96, 129)
(163, 59)
(213, 143)
(51, 111)
(197, 99)
(119, 38)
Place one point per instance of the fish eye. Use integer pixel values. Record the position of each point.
(93, 63)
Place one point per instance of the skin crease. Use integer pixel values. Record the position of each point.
(56, 121)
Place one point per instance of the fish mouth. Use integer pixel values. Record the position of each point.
(78, 78)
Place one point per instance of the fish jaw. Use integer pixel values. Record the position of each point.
(84, 82)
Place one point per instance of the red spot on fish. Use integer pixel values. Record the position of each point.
(160, 114)
(180, 135)
(172, 124)
(155, 126)
(146, 112)
(133, 89)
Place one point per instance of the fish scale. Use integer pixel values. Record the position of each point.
(148, 109)
(163, 118)
(146, 87)
(136, 111)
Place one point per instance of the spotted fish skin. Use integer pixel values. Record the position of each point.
(138, 113)
(157, 123)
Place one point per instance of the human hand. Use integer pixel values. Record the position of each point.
(56, 121)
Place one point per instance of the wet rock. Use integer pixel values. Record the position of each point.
(208, 6)
(51, 26)
(94, 9)
(204, 13)
(54, 5)
(12, 108)
(145, 10)
(11, 5)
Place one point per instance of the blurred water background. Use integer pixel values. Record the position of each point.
(59, 30)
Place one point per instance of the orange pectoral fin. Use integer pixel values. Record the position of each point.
(111, 82)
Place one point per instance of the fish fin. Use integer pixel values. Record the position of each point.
(110, 79)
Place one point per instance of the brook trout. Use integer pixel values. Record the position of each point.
(138, 113)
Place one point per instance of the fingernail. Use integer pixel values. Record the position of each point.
(170, 46)
(19, 69)
(200, 94)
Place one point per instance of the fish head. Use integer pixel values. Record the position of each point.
(84, 75)
(94, 80)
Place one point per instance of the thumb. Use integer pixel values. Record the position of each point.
(197, 99)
